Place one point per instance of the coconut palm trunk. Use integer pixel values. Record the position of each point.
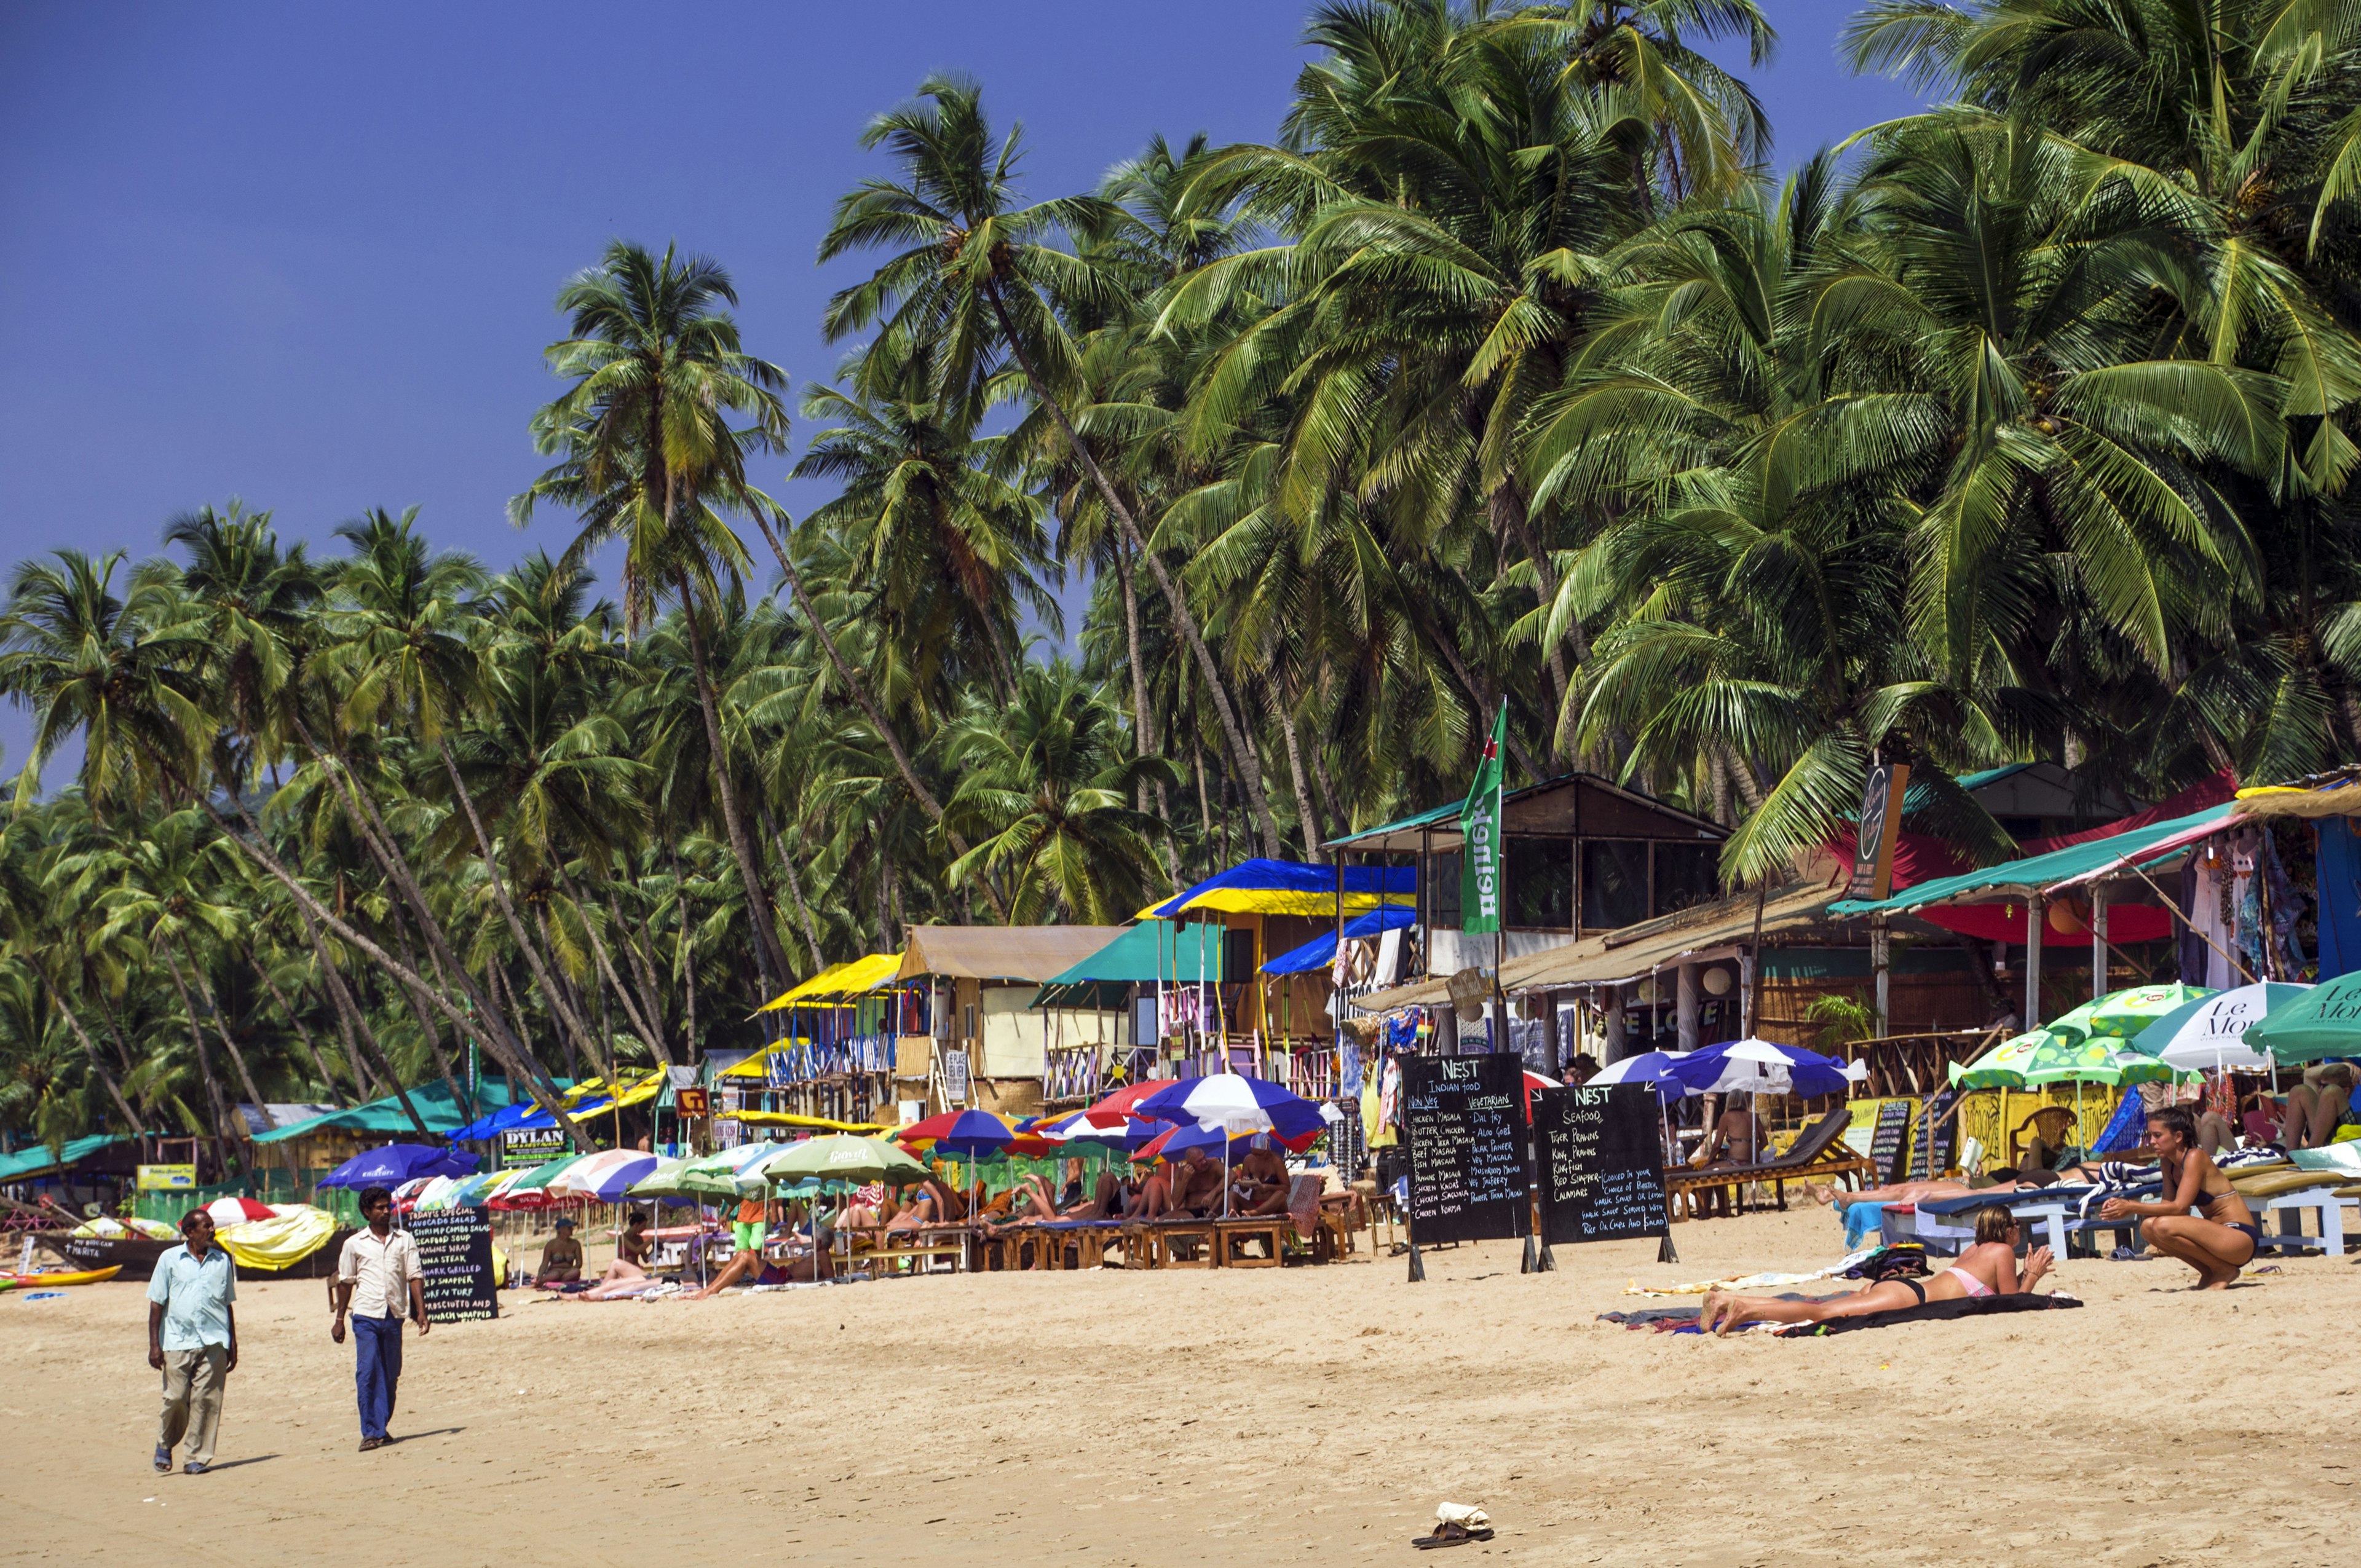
(1241, 754)
(858, 690)
(741, 846)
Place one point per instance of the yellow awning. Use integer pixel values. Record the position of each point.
(840, 980)
(754, 1066)
(1284, 901)
(636, 1088)
(789, 1119)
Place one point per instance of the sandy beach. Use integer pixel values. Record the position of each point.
(1220, 1418)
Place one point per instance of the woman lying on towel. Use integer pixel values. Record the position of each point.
(2217, 1244)
(1987, 1268)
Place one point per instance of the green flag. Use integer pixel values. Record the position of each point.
(1479, 824)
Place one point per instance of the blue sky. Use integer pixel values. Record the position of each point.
(305, 254)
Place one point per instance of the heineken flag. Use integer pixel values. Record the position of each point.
(1479, 823)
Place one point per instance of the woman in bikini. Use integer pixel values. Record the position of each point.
(1987, 1268)
(2217, 1244)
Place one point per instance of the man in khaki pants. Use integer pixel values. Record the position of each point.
(192, 1339)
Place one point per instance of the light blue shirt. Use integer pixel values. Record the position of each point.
(195, 1295)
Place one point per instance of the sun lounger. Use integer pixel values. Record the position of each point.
(1167, 1243)
(1817, 1154)
(1269, 1229)
(1935, 1224)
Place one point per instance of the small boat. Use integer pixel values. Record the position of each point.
(61, 1277)
(134, 1256)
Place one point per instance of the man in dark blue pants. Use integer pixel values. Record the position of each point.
(378, 1280)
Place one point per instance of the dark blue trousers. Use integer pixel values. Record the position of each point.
(377, 1370)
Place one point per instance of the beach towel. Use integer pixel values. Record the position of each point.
(1860, 1220)
(1745, 1283)
(1303, 1204)
(1932, 1311)
(2126, 1128)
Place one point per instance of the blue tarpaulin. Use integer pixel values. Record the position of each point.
(1321, 951)
(1292, 887)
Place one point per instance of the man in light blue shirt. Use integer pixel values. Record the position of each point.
(192, 1339)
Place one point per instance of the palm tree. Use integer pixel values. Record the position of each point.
(1047, 785)
(649, 458)
(976, 278)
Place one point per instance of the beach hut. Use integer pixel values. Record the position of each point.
(836, 1041)
(1122, 984)
(987, 1048)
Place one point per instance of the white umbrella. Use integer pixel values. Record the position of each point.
(2210, 1032)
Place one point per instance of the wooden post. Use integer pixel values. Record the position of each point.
(2098, 940)
(2036, 918)
(1881, 967)
(1684, 1005)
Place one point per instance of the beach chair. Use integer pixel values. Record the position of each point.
(1935, 1223)
(1817, 1154)
(2049, 1125)
(1169, 1244)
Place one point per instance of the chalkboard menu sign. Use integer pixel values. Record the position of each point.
(1465, 1122)
(455, 1254)
(1937, 1126)
(1890, 1145)
(1602, 1163)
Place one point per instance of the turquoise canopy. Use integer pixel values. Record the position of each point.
(39, 1162)
(1172, 951)
(435, 1108)
(2039, 873)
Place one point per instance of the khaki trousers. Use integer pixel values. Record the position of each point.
(192, 1397)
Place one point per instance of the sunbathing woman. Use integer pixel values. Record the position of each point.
(622, 1280)
(2216, 1245)
(1987, 1268)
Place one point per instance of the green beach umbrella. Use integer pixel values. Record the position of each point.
(2039, 1057)
(2322, 1022)
(2128, 1012)
(841, 1156)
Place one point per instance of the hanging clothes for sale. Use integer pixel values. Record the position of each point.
(2246, 903)
(2208, 945)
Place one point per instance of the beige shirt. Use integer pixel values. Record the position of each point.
(380, 1272)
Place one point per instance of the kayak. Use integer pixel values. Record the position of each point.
(79, 1276)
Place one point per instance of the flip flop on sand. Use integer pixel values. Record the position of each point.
(1451, 1534)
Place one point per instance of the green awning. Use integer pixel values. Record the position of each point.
(39, 1162)
(435, 1108)
(2058, 868)
(1448, 813)
(1153, 949)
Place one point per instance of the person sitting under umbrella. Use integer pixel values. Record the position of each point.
(1260, 1183)
(561, 1260)
(2316, 1107)
(634, 1248)
(1729, 1146)
(1987, 1268)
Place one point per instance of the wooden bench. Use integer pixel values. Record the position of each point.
(1273, 1230)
